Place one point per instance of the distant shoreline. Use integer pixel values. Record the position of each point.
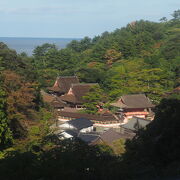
(28, 44)
(39, 38)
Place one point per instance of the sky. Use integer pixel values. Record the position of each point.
(77, 18)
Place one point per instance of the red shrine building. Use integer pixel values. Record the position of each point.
(134, 105)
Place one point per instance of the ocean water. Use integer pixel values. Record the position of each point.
(27, 45)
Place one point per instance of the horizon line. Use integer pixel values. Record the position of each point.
(39, 37)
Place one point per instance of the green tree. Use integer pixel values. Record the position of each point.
(112, 56)
(93, 99)
(157, 147)
(43, 49)
(118, 146)
(171, 48)
(163, 19)
(176, 14)
(5, 132)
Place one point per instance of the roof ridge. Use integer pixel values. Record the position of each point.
(75, 84)
(133, 94)
(66, 76)
(91, 134)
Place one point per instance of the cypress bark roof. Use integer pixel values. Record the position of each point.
(133, 101)
(58, 103)
(52, 100)
(63, 83)
(69, 98)
(78, 91)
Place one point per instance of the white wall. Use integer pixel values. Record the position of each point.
(66, 126)
(140, 116)
(66, 135)
(85, 130)
(63, 119)
(114, 125)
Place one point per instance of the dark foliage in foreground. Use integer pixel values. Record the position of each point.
(152, 154)
(70, 160)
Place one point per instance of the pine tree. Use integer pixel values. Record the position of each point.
(5, 132)
(93, 99)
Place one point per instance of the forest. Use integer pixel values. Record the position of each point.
(143, 57)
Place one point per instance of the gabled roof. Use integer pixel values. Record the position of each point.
(63, 83)
(69, 98)
(58, 103)
(133, 101)
(110, 135)
(80, 123)
(54, 89)
(78, 91)
(47, 97)
(135, 123)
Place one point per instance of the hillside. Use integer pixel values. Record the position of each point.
(143, 57)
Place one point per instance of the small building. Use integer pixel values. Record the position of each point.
(133, 105)
(133, 125)
(82, 125)
(74, 97)
(62, 85)
(88, 138)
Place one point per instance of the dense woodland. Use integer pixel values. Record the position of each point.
(143, 57)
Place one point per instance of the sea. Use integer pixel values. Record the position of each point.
(27, 45)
